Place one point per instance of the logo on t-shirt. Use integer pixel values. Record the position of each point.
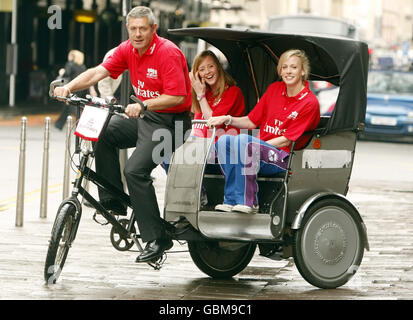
(293, 115)
(152, 73)
(275, 130)
(140, 91)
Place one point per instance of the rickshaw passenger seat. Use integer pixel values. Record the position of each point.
(213, 171)
(321, 126)
(279, 177)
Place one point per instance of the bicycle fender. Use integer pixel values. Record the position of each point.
(74, 201)
(319, 196)
(71, 200)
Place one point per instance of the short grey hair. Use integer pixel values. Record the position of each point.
(141, 12)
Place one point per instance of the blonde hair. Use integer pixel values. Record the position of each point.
(224, 78)
(299, 54)
(76, 56)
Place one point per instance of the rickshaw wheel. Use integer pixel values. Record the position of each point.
(221, 261)
(329, 246)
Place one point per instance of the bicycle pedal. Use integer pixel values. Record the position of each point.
(157, 263)
(98, 222)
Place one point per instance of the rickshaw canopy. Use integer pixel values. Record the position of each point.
(253, 58)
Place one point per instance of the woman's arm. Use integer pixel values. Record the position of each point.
(239, 122)
(199, 87)
(205, 108)
(279, 142)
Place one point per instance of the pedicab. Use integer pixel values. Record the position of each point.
(303, 213)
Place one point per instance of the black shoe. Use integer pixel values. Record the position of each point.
(115, 207)
(154, 249)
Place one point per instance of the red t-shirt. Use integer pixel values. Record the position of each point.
(162, 69)
(231, 103)
(280, 115)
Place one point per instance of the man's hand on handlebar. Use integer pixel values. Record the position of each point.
(61, 92)
(133, 110)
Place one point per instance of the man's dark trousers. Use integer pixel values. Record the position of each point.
(128, 133)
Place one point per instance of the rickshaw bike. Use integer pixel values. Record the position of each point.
(303, 213)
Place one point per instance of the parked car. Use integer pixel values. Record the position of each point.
(389, 114)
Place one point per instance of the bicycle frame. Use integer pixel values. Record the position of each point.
(84, 172)
(68, 216)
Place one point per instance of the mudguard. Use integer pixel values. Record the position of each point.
(323, 195)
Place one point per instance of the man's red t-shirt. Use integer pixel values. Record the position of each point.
(280, 115)
(231, 103)
(162, 69)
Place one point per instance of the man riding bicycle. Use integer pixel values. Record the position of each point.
(159, 76)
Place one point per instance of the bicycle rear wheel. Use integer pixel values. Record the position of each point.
(221, 260)
(63, 233)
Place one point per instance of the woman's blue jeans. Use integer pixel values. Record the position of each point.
(242, 158)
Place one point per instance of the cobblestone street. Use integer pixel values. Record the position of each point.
(95, 270)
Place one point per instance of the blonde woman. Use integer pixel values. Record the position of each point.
(286, 110)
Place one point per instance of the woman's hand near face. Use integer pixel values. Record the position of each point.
(197, 83)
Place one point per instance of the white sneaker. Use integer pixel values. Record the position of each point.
(224, 207)
(245, 209)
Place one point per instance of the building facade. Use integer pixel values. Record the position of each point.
(382, 23)
(47, 29)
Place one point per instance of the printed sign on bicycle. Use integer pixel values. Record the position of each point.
(91, 123)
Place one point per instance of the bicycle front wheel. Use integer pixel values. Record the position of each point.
(63, 233)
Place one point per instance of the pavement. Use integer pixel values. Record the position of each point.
(95, 270)
(35, 112)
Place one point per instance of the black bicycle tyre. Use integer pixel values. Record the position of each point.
(329, 246)
(217, 262)
(63, 229)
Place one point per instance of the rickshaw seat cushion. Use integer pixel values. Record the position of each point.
(276, 177)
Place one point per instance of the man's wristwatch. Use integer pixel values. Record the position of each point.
(199, 98)
(145, 106)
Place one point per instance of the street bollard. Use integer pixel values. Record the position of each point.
(45, 170)
(21, 174)
(66, 177)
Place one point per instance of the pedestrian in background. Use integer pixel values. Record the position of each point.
(73, 67)
(109, 86)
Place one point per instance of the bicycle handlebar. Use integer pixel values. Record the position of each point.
(55, 84)
(137, 100)
(94, 101)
